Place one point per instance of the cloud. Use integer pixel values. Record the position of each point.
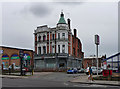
(70, 3)
(38, 9)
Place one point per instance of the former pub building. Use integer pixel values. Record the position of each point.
(57, 48)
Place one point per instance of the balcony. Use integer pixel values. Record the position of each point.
(61, 39)
(50, 55)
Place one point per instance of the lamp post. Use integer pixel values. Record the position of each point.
(97, 42)
(21, 53)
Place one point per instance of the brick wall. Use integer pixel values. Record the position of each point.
(10, 51)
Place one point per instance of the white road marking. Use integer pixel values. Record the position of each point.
(65, 84)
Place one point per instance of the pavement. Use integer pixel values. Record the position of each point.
(84, 80)
(12, 76)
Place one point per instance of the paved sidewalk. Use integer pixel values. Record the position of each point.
(12, 76)
(17, 75)
(84, 80)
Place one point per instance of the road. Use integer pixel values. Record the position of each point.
(47, 79)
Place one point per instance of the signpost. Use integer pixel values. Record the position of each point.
(21, 53)
(97, 42)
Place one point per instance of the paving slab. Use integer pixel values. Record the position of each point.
(84, 80)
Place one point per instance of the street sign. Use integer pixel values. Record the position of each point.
(25, 57)
(1, 51)
(97, 40)
(21, 53)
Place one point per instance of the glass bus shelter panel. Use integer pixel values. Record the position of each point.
(115, 59)
(109, 60)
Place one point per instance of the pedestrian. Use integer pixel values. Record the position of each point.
(90, 74)
(9, 69)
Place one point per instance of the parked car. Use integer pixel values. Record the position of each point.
(5, 68)
(16, 68)
(80, 70)
(94, 70)
(70, 71)
(75, 70)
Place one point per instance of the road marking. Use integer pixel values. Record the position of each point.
(65, 84)
(75, 85)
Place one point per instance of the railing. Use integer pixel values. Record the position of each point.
(51, 54)
(61, 39)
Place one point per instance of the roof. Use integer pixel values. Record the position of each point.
(16, 48)
(91, 57)
(62, 20)
(111, 56)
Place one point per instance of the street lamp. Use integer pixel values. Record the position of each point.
(21, 53)
(97, 42)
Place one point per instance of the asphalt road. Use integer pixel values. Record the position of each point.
(47, 79)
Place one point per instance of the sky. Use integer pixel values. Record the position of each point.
(20, 19)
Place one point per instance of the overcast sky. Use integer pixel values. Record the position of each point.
(19, 20)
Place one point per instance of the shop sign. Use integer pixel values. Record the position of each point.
(1, 51)
(97, 40)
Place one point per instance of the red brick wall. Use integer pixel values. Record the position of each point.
(69, 47)
(11, 51)
(89, 62)
(36, 43)
(75, 45)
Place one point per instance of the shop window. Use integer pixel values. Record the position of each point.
(61, 65)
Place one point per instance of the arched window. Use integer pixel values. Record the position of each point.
(5, 57)
(39, 38)
(15, 56)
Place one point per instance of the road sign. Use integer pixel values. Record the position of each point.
(97, 40)
(21, 53)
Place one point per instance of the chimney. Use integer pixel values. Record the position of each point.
(68, 22)
(75, 32)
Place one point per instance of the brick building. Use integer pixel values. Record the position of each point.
(91, 61)
(10, 55)
(57, 48)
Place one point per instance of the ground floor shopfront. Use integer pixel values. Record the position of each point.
(10, 56)
(56, 62)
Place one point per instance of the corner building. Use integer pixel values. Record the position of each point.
(57, 49)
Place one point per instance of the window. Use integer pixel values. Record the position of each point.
(58, 35)
(58, 48)
(63, 35)
(78, 52)
(63, 48)
(39, 50)
(73, 39)
(44, 49)
(53, 36)
(78, 44)
(74, 51)
(53, 49)
(39, 38)
(44, 38)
